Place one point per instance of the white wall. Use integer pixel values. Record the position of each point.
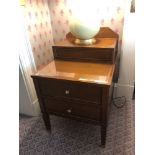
(126, 80)
(28, 102)
(25, 103)
(25, 106)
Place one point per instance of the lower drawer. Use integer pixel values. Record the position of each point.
(62, 107)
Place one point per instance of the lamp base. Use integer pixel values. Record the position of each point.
(85, 42)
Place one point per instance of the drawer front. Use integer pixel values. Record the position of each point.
(62, 107)
(60, 88)
(85, 54)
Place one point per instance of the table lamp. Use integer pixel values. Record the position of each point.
(85, 22)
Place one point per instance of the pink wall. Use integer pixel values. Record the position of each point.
(37, 19)
(61, 14)
(47, 22)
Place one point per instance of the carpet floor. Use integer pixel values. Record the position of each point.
(69, 137)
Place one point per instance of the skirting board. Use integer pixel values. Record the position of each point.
(123, 90)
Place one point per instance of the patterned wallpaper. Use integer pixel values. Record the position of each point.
(48, 22)
(37, 19)
(60, 15)
(113, 17)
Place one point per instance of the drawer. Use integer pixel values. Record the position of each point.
(85, 54)
(67, 89)
(62, 107)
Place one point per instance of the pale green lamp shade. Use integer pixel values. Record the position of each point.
(84, 29)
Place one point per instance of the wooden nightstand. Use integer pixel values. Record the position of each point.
(78, 83)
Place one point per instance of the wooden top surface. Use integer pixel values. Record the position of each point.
(100, 43)
(78, 71)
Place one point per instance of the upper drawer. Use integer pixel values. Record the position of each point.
(81, 91)
(106, 55)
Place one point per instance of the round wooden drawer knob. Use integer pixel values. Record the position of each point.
(67, 92)
(69, 110)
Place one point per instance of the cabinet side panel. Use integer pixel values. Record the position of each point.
(36, 84)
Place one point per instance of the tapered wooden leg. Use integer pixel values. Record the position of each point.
(104, 113)
(103, 135)
(46, 121)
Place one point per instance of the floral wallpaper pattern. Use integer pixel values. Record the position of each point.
(113, 17)
(48, 22)
(60, 15)
(37, 19)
